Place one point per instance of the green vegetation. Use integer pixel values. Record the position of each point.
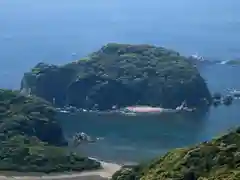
(31, 139)
(218, 159)
(122, 75)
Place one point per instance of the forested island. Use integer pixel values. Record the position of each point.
(120, 75)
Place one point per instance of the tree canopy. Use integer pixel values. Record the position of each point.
(122, 75)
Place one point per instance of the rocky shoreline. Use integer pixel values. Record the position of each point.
(127, 111)
(228, 99)
(217, 99)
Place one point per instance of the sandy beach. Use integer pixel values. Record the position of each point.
(104, 174)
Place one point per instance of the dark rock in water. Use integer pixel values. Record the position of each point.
(236, 93)
(218, 99)
(227, 100)
(217, 96)
(82, 137)
(31, 138)
(121, 75)
(216, 103)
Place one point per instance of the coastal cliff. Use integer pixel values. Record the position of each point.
(218, 159)
(31, 138)
(120, 75)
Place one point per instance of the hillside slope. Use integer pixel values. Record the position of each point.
(218, 159)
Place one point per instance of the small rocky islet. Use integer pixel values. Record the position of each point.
(116, 75)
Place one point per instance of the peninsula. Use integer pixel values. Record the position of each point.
(31, 138)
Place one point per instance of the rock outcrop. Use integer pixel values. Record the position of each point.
(120, 75)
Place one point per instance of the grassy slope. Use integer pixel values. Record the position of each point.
(218, 159)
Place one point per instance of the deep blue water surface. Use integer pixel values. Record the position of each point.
(51, 31)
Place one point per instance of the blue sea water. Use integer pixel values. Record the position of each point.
(53, 31)
(61, 31)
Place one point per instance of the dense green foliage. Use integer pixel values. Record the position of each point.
(31, 139)
(122, 75)
(30, 116)
(218, 159)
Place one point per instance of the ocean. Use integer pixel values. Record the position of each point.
(59, 31)
(62, 31)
